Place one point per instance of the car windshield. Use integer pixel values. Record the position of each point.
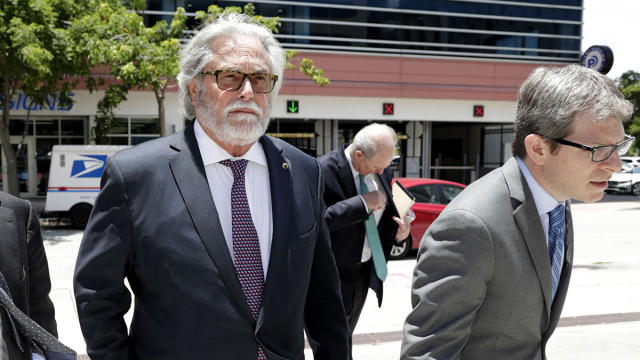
(449, 192)
(425, 193)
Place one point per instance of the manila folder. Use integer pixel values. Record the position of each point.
(402, 198)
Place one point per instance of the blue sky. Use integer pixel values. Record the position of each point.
(614, 23)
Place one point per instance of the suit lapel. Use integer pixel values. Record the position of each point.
(385, 180)
(281, 190)
(190, 177)
(345, 174)
(526, 216)
(11, 252)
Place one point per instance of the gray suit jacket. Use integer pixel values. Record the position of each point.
(482, 283)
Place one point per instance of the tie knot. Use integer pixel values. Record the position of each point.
(557, 215)
(237, 167)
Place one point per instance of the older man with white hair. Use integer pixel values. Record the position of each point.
(361, 217)
(218, 229)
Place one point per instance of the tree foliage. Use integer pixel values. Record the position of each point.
(47, 46)
(135, 56)
(629, 84)
(35, 59)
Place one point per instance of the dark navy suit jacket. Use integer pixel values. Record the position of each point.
(155, 223)
(346, 215)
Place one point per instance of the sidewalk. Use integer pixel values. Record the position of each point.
(601, 317)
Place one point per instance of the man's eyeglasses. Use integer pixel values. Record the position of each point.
(602, 152)
(232, 80)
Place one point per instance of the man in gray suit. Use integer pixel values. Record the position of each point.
(493, 270)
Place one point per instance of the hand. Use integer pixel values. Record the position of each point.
(375, 200)
(404, 227)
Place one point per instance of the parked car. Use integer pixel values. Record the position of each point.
(432, 195)
(626, 180)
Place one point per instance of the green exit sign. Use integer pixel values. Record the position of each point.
(293, 106)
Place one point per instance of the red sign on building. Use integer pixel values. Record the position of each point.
(387, 109)
(478, 110)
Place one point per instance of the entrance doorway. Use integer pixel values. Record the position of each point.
(27, 171)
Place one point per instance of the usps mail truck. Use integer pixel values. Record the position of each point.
(74, 180)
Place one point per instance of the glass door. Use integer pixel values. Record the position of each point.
(27, 174)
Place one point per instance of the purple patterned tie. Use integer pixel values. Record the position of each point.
(246, 247)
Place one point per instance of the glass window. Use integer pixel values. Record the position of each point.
(72, 127)
(43, 147)
(43, 162)
(425, 193)
(47, 127)
(449, 192)
(135, 140)
(20, 127)
(117, 140)
(145, 126)
(121, 126)
(72, 141)
(22, 165)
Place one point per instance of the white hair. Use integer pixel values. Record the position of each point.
(373, 136)
(199, 52)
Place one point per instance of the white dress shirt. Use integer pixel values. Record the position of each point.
(372, 183)
(544, 201)
(257, 184)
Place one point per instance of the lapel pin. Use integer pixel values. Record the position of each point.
(285, 165)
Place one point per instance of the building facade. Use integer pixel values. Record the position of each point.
(443, 73)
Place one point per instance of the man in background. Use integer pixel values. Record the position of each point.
(493, 270)
(361, 216)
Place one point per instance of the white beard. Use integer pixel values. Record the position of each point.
(237, 128)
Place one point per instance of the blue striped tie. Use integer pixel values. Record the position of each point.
(556, 245)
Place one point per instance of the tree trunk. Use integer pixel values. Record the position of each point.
(11, 177)
(160, 99)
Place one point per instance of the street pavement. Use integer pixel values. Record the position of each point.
(601, 317)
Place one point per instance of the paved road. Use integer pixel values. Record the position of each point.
(601, 317)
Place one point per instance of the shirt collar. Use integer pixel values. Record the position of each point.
(347, 153)
(212, 153)
(544, 201)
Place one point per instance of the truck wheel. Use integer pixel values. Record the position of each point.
(79, 215)
(636, 188)
(399, 252)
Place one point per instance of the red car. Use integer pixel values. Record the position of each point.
(432, 195)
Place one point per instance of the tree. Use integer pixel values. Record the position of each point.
(35, 59)
(141, 57)
(629, 84)
(305, 65)
(136, 56)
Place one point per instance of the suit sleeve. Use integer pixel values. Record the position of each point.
(104, 260)
(346, 213)
(40, 306)
(325, 319)
(455, 263)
